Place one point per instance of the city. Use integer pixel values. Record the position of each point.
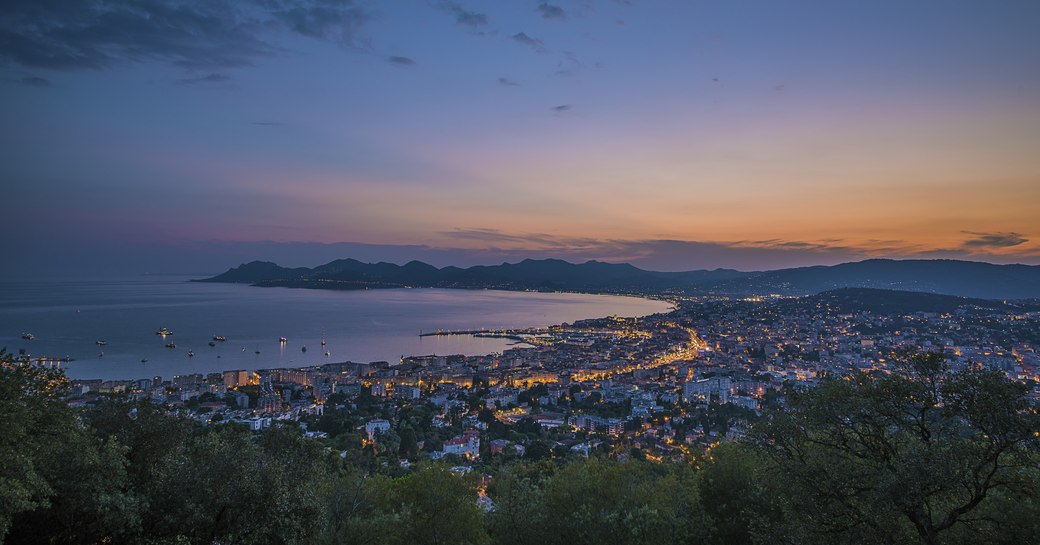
(667, 386)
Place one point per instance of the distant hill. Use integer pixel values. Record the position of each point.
(950, 277)
(878, 301)
(529, 274)
(963, 278)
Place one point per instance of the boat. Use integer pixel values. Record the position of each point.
(211, 343)
(283, 340)
(163, 332)
(219, 338)
(191, 354)
(144, 360)
(327, 353)
(171, 345)
(28, 336)
(101, 343)
(303, 349)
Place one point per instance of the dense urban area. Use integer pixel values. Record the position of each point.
(690, 395)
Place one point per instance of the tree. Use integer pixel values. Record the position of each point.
(31, 416)
(917, 454)
(431, 506)
(58, 483)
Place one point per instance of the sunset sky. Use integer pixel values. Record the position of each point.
(158, 135)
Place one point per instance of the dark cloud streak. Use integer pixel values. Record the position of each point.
(94, 34)
(34, 81)
(465, 17)
(214, 78)
(994, 240)
(523, 38)
(550, 11)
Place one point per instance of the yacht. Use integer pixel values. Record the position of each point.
(171, 345)
(163, 332)
(219, 338)
(101, 343)
(28, 336)
(283, 340)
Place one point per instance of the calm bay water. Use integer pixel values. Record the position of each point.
(68, 317)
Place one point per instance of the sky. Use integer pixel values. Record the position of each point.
(190, 136)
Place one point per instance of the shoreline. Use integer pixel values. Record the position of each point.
(347, 342)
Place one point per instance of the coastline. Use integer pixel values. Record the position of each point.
(361, 325)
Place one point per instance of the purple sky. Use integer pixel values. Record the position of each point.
(180, 136)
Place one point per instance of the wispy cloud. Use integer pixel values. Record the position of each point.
(523, 38)
(94, 34)
(561, 109)
(212, 78)
(34, 81)
(508, 82)
(569, 65)
(655, 254)
(268, 123)
(465, 17)
(994, 240)
(401, 61)
(550, 11)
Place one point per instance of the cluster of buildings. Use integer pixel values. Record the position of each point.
(668, 385)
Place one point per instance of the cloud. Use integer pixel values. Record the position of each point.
(96, 34)
(463, 16)
(549, 11)
(523, 38)
(562, 108)
(652, 254)
(525, 240)
(993, 240)
(268, 123)
(208, 78)
(401, 61)
(34, 81)
(508, 82)
(569, 65)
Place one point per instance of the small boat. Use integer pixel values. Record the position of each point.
(163, 332)
(219, 338)
(303, 349)
(101, 355)
(257, 351)
(144, 360)
(28, 336)
(327, 353)
(211, 343)
(171, 345)
(191, 354)
(283, 340)
(101, 343)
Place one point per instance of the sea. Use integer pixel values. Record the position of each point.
(68, 319)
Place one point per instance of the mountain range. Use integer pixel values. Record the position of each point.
(943, 276)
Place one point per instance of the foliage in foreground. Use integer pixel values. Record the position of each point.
(922, 455)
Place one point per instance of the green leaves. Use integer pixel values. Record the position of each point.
(904, 456)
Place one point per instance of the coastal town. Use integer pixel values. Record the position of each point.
(663, 387)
